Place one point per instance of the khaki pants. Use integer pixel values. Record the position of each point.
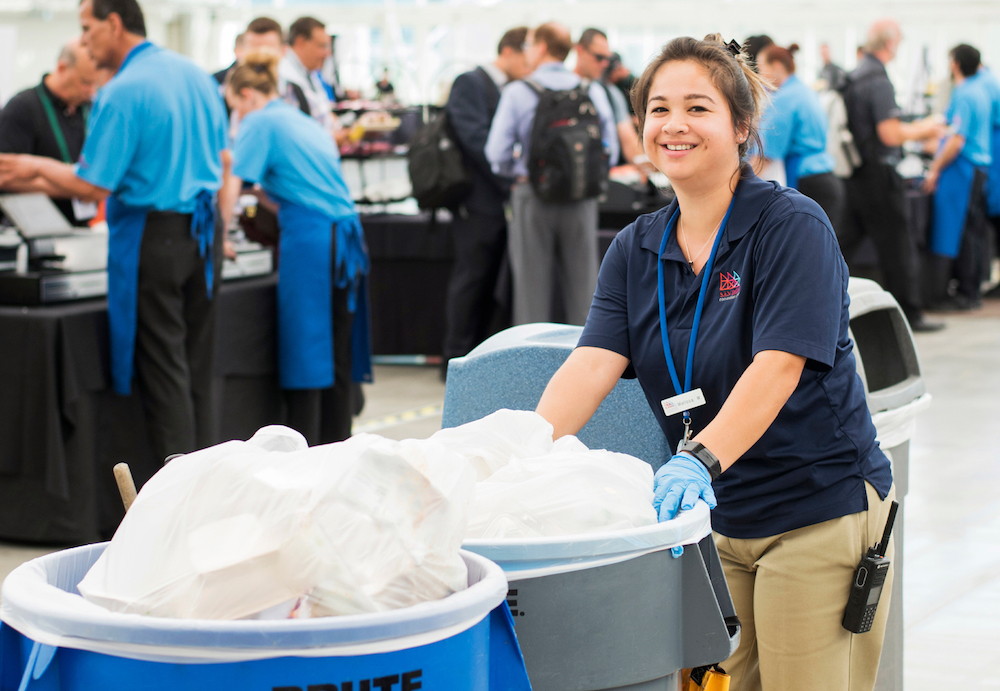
(790, 591)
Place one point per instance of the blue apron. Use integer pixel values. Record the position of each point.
(125, 227)
(307, 274)
(993, 182)
(792, 163)
(951, 204)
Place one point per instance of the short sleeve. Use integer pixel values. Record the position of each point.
(960, 115)
(883, 101)
(776, 131)
(607, 322)
(112, 139)
(220, 120)
(250, 153)
(798, 290)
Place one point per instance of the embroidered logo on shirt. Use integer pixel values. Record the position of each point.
(729, 285)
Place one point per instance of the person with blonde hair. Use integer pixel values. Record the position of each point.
(323, 259)
(739, 287)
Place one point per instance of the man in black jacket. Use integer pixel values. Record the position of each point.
(480, 227)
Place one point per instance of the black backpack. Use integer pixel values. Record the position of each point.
(568, 161)
(437, 171)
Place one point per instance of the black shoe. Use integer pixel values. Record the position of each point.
(922, 326)
(957, 303)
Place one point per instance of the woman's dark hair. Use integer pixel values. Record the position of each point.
(731, 74)
(258, 71)
(786, 56)
(128, 10)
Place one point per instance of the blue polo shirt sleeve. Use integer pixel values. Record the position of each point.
(112, 139)
(799, 283)
(252, 149)
(607, 322)
(776, 130)
(960, 114)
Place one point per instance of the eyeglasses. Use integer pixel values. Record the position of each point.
(600, 57)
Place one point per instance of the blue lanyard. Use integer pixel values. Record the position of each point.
(705, 277)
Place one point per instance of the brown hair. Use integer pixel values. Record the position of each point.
(786, 56)
(265, 25)
(556, 39)
(732, 75)
(258, 71)
(304, 27)
(514, 39)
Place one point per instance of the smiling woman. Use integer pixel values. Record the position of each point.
(740, 285)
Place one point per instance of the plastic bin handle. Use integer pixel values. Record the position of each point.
(38, 662)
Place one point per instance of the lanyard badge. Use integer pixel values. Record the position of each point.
(686, 398)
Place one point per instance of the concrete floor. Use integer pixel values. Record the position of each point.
(952, 584)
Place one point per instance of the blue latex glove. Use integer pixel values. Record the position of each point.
(679, 483)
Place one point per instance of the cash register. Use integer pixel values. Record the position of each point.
(44, 259)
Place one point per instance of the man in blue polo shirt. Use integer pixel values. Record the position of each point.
(991, 85)
(957, 178)
(156, 141)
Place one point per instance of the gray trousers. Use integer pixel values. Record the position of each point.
(548, 241)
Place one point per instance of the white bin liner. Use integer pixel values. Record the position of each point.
(40, 601)
(365, 525)
(893, 427)
(531, 487)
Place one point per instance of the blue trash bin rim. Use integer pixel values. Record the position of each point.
(559, 553)
(37, 596)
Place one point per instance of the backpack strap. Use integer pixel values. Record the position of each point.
(535, 86)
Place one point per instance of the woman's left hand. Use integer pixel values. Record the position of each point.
(679, 483)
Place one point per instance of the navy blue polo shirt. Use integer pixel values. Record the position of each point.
(779, 283)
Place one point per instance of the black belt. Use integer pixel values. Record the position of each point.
(167, 216)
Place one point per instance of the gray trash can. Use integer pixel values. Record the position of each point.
(890, 368)
(631, 624)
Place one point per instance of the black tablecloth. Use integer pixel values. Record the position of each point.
(62, 429)
(411, 264)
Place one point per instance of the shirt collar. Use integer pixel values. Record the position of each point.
(752, 195)
(56, 101)
(298, 67)
(133, 53)
(496, 74)
(551, 67)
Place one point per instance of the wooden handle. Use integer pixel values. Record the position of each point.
(126, 486)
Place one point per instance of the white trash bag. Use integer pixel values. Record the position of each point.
(529, 486)
(233, 530)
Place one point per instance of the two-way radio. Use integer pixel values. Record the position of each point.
(869, 578)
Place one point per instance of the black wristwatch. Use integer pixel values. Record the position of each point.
(701, 452)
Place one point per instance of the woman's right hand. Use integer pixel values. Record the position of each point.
(679, 483)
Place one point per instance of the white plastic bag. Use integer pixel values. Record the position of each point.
(491, 442)
(529, 486)
(241, 527)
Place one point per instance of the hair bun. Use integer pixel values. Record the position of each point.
(794, 48)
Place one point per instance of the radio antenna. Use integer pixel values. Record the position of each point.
(884, 545)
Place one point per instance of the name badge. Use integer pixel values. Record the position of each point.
(685, 401)
(84, 211)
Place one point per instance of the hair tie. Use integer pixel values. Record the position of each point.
(734, 48)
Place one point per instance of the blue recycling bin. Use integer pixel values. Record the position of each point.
(53, 640)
